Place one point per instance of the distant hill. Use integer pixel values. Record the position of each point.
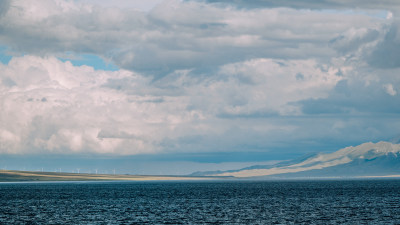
(368, 159)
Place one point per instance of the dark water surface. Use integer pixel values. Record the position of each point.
(255, 202)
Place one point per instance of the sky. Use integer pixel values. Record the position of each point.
(177, 86)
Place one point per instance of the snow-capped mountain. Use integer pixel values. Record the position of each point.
(368, 159)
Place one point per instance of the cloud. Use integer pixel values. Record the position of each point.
(386, 54)
(177, 35)
(266, 86)
(135, 4)
(4, 6)
(365, 91)
(390, 90)
(53, 106)
(352, 40)
(309, 4)
(197, 77)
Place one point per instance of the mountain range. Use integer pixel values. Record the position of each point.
(365, 160)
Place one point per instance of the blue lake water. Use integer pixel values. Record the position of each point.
(230, 202)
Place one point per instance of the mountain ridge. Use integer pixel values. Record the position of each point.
(381, 158)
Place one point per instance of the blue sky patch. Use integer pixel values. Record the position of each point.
(4, 57)
(90, 60)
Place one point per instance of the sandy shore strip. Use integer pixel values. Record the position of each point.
(11, 175)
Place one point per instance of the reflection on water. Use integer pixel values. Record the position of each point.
(272, 202)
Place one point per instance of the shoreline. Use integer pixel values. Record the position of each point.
(14, 176)
(24, 176)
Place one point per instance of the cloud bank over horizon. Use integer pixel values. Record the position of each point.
(197, 76)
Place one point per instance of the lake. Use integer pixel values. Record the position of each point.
(202, 202)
